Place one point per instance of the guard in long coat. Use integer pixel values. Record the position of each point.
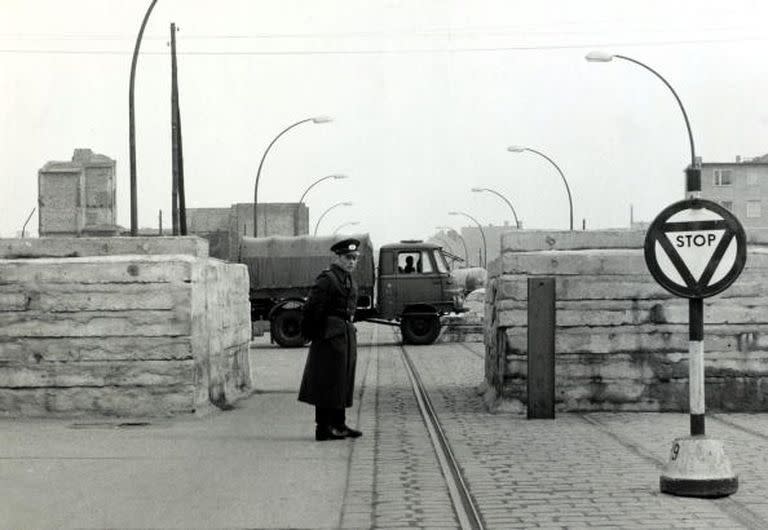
(329, 374)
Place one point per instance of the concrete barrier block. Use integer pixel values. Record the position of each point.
(98, 374)
(649, 338)
(133, 401)
(95, 324)
(33, 350)
(13, 302)
(533, 240)
(576, 262)
(72, 247)
(110, 297)
(94, 270)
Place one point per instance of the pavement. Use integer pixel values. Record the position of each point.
(258, 466)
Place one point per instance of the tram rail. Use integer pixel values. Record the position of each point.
(464, 504)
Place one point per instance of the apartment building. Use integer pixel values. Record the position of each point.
(740, 186)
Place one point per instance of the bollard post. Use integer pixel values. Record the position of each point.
(698, 465)
(541, 348)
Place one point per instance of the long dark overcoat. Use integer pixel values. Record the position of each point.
(329, 374)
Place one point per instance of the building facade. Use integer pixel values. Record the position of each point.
(77, 197)
(222, 226)
(740, 186)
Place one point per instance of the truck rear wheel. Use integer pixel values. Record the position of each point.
(420, 329)
(286, 329)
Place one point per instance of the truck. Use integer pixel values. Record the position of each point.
(411, 287)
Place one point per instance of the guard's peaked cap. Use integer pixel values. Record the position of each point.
(346, 246)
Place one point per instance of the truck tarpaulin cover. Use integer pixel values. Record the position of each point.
(281, 262)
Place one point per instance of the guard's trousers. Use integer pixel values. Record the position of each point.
(330, 417)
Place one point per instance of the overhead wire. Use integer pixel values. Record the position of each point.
(390, 51)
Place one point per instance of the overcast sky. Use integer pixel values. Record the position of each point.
(425, 96)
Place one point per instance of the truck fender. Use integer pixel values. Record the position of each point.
(289, 303)
(420, 309)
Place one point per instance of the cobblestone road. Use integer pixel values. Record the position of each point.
(578, 471)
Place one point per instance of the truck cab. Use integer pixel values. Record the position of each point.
(414, 288)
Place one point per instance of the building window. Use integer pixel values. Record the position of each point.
(728, 205)
(751, 179)
(722, 177)
(754, 209)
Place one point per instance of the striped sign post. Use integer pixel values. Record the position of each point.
(695, 248)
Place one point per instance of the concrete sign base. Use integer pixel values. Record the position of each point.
(698, 467)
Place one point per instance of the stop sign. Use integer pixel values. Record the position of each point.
(695, 248)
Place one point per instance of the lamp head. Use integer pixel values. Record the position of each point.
(453, 213)
(322, 119)
(516, 148)
(599, 57)
(346, 204)
(478, 189)
(339, 177)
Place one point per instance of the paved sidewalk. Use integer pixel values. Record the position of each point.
(255, 466)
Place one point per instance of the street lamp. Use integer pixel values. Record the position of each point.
(463, 243)
(477, 190)
(482, 233)
(353, 223)
(693, 174)
(24, 228)
(520, 149)
(132, 123)
(316, 119)
(317, 225)
(301, 200)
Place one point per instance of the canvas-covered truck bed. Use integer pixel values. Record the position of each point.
(283, 268)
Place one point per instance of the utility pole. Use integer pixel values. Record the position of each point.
(178, 202)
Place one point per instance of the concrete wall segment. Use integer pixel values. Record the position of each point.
(622, 340)
(127, 335)
(68, 247)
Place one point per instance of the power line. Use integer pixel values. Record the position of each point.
(401, 51)
(467, 31)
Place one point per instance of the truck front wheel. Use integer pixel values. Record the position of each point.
(286, 328)
(420, 329)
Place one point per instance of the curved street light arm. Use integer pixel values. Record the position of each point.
(24, 228)
(317, 225)
(315, 183)
(482, 233)
(680, 103)
(261, 163)
(567, 188)
(132, 123)
(517, 223)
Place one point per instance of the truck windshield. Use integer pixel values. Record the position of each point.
(442, 266)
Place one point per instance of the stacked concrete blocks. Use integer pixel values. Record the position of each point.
(126, 335)
(622, 340)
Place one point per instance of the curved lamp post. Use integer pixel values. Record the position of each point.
(463, 243)
(693, 174)
(301, 200)
(317, 225)
(353, 223)
(477, 190)
(482, 233)
(24, 228)
(520, 149)
(132, 123)
(316, 119)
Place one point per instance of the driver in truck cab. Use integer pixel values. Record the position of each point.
(329, 374)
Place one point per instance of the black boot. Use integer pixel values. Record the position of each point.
(349, 432)
(326, 432)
